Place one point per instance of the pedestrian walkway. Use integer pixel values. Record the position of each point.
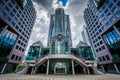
(58, 77)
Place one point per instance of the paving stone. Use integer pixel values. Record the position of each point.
(58, 77)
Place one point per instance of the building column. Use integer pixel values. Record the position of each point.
(103, 69)
(73, 71)
(32, 70)
(84, 70)
(116, 68)
(3, 68)
(65, 70)
(16, 69)
(48, 62)
(35, 70)
(116, 30)
(88, 70)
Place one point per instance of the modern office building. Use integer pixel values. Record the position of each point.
(16, 22)
(59, 57)
(102, 18)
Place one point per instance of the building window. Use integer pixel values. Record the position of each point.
(20, 48)
(106, 11)
(101, 42)
(96, 50)
(103, 58)
(118, 4)
(107, 57)
(18, 15)
(16, 27)
(11, 14)
(13, 56)
(2, 13)
(111, 5)
(100, 59)
(7, 9)
(13, 2)
(20, 30)
(118, 14)
(115, 1)
(114, 9)
(103, 47)
(8, 19)
(99, 37)
(14, 10)
(98, 44)
(17, 46)
(13, 23)
(1, 3)
(10, 5)
(21, 43)
(16, 58)
(18, 41)
(109, 15)
(100, 49)
(95, 46)
(19, 58)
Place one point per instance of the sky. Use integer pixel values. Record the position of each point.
(44, 8)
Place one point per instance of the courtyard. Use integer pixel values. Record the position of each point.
(13, 76)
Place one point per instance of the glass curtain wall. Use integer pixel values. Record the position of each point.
(59, 47)
(7, 40)
(60, 67)
(60, 20)
(33, 53)
(112, 40)
(85, 52)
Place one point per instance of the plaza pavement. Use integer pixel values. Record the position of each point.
(58, 77)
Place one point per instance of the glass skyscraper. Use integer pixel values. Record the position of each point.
(16, 22)
(59, 57)
(102, 18)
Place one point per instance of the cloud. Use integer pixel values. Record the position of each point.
(75, 10)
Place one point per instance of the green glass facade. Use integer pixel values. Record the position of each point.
(85, 52)
(34, 51)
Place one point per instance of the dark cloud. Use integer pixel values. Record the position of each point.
(45, 3)
(75, 10)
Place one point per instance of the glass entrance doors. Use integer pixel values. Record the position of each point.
(60, 70)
